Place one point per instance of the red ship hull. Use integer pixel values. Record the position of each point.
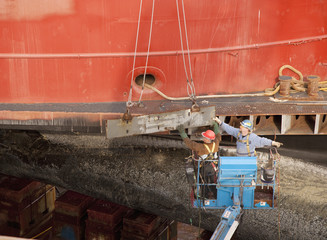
(221, 34)
(71, 51)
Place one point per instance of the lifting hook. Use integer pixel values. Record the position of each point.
(195, 107)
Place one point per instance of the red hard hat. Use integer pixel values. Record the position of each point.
(209, 134)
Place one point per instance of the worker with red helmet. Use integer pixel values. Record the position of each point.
(209, 148)
(205, 151)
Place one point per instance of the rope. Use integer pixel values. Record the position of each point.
(188, 49)
(202, 97)
(202, 190)
(189, 86)
(293, 69)
(41, 233)
(276, 158)
(298, 85)
(129, 101)
(272, 91)
(199, 227)
(148, 52)
(278, 193)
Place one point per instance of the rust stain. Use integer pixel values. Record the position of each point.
(32, 115)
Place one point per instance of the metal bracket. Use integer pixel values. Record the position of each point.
(160, 122)
(127, 116)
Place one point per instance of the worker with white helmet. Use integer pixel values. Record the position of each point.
(247, 141)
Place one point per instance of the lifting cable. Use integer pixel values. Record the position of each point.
(276, 159)
(190, 85)
(148, 52)
(129, 101)
(188, 49)
(297, 85)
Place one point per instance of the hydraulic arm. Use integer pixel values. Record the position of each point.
(228, 223)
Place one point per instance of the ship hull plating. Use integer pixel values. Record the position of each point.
(83, 52)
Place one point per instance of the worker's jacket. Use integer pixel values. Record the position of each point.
(245, 145)
(200, 148)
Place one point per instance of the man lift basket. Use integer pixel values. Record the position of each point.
(237, 187)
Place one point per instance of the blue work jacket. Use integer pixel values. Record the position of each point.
(254, 141)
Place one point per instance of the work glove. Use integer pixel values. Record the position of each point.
(215, 127)
(217, 120)
(181, 131)
(276, 144)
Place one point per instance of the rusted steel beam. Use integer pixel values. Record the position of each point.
(91, 118)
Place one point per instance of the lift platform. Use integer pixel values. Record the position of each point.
(236, 187)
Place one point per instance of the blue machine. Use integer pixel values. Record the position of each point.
(235, 187)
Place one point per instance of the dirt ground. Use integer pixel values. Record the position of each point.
(149, 175)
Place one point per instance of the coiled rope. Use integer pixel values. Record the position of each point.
(297, 85)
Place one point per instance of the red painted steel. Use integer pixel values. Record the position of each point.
(237, 46)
